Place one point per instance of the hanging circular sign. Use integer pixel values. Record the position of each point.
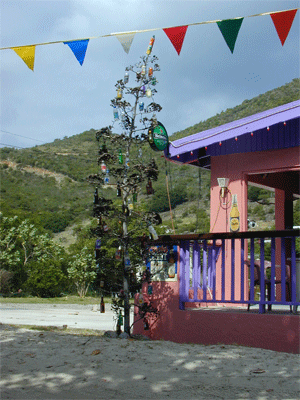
(158, 137)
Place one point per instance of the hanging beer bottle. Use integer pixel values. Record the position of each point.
(119, 94)
(116, 114)
(103, 167)
(120, 157)
(119, 193)
(96, 198)
(151, 43)
(234, 215)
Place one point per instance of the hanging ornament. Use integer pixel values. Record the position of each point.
(143, 89)
(150, 72)
(126, 77)
(141, 298)
(151, 43)
(122, 116)
(134, 197)
(118, 253)
(130, 205)
(149, 188)
(143, 71)
(141, 106)
(153, 81)
(115, 112)
(120, 157)
(103, 167)
(119, 192)
(105, 228)
(96, 198)
(106, 179)
(127, 162)
(119, 94)
(152, 232)
(120, 319)
(148, 92)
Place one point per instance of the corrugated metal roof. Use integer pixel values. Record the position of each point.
(272, 129)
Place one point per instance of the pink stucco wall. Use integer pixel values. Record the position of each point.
(267, 331)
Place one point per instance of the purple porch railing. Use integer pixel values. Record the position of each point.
(237, 274)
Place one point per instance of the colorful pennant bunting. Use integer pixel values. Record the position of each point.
(79, 49)
(230, 29)
(126, 41)
(176, 36)
(27, 54)
(283, 22)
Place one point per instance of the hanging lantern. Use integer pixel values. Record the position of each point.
(143, 89)
(143, 71)
(150, 72)
(116, 114)
(141, 106)
(153, 81)
(126, 77)
(148, 92)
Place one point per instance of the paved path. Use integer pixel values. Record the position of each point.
(72, 315)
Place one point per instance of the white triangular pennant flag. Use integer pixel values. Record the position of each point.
(126, 41)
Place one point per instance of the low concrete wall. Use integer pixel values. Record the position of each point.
(279, 332)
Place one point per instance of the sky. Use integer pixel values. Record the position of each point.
(61, 98)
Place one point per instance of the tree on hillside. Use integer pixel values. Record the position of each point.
(127, 168)
(23, 247)
(82, 271)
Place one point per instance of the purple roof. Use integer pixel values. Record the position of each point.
(272, 129)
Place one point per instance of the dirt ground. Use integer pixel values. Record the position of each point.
(58, 365)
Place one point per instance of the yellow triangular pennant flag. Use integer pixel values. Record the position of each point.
(27, 55)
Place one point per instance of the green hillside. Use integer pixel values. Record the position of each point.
(48, 185)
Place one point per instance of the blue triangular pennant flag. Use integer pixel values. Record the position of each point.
(79, 48)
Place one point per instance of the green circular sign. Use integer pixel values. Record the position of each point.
(158, 137)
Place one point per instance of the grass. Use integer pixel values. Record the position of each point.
(72, 299)
(55, 300)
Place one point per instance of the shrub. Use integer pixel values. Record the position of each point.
(46, 279)
(5, 281)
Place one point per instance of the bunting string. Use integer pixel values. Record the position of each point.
(229, 29)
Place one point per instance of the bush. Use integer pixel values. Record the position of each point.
(46, 279)
(5, 281)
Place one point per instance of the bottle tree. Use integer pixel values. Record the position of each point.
(127, 167)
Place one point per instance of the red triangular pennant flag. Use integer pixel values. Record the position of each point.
(283, 22)
(176, 36)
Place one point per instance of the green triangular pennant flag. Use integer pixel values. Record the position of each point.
(230, 29)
